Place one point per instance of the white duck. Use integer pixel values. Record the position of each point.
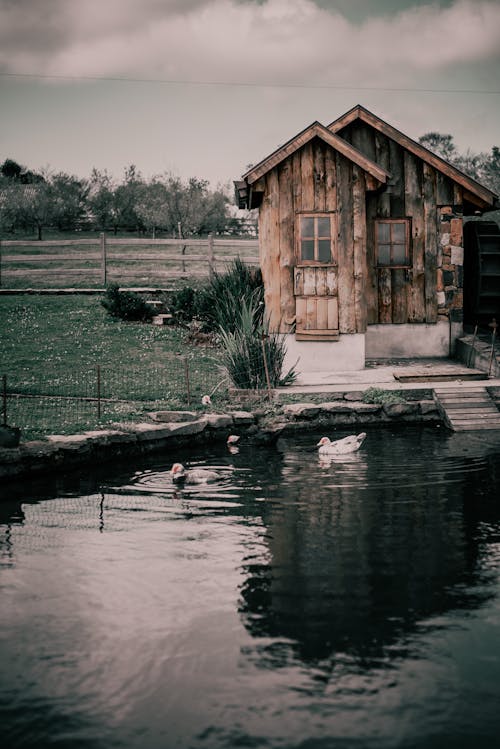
(195, 476)
(340, 447)
(232, 443)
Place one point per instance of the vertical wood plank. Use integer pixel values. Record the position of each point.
(431, 243)
(332, 286)
(347, 323)
(321, 287)
(371, 286)
(309, 280)
(384, 295)
(399, 295)
(319, 174)
(286, 245)
(300, 306)
(298, 281)
(322, 313)
(359, 248)
(382, 159)
(414, 208)
(306, 165)
(397, 186)
(311, 313)
(274, 286)
(333, 313)
(297, 182)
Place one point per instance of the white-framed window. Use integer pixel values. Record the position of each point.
(316, 233)
(392, 242)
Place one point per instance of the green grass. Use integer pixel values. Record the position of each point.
(51, 346)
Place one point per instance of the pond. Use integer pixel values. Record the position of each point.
(296, 603)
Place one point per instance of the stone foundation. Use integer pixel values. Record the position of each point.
(62, 453)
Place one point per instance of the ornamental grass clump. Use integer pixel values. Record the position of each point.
(250, 353)
(225, 292)
(385, 397)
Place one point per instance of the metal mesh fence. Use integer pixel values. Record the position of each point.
(42, 403)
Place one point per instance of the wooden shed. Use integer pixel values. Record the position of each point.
(361, 242)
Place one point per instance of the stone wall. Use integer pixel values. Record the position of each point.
(62, 453)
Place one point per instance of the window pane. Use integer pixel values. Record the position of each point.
(398, 233)
(399, 254)
(324, 254)
(384, 254)
(307, 249)
(323, 226)
(383, 233)
(307, 227)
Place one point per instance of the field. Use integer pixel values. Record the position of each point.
(91, 260)
(69, 366)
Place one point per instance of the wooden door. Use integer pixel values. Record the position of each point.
(316, 279)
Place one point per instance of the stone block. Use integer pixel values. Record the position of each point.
(456, 232)
(300, 411)
(218, 421)
(242, 418)
(457, 255)
(396, 410)
(174, 416)
(335, 407)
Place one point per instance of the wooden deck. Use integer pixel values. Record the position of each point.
(438, 373)
(467, 408)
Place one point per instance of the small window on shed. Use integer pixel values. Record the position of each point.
(392, 243)
(316, 238)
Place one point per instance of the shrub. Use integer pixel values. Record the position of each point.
(245, 346)
(183, 304)
(378, 395)
(215, 304)
(125, 305)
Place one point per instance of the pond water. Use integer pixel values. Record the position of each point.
(296, 603)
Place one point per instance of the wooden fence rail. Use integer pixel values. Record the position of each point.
(114, 258)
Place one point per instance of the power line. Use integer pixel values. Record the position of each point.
(249, 84)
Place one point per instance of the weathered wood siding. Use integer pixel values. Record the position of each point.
(314, 179)
(419, 192)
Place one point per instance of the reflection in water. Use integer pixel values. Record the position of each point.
(299, 602)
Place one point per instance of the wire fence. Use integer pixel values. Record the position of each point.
(42, 404)
(80, 400)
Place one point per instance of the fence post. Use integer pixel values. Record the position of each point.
(266, 368)
(4, 400)
(98, 391)
(186, 375)
(210, 254)
(104, 270)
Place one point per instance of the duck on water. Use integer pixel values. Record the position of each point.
(194, 476)
(341, 447)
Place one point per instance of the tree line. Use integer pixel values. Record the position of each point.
(31, 201)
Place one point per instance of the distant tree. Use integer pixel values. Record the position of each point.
(101, 200)
(68, 201)
(126, 197)
(440, 144)
(35, 206)
(153, 207)
(483, 167)
(193, 209)
(11, 169)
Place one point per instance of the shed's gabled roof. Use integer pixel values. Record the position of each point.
(315, 130)
(470, 185)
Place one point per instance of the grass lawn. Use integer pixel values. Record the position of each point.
(51, 346)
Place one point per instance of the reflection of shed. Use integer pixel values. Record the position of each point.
(361, 249)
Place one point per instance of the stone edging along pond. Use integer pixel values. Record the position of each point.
(169, 430)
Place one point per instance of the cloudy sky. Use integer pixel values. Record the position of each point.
(205, 87)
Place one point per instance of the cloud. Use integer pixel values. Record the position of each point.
(272, 41)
